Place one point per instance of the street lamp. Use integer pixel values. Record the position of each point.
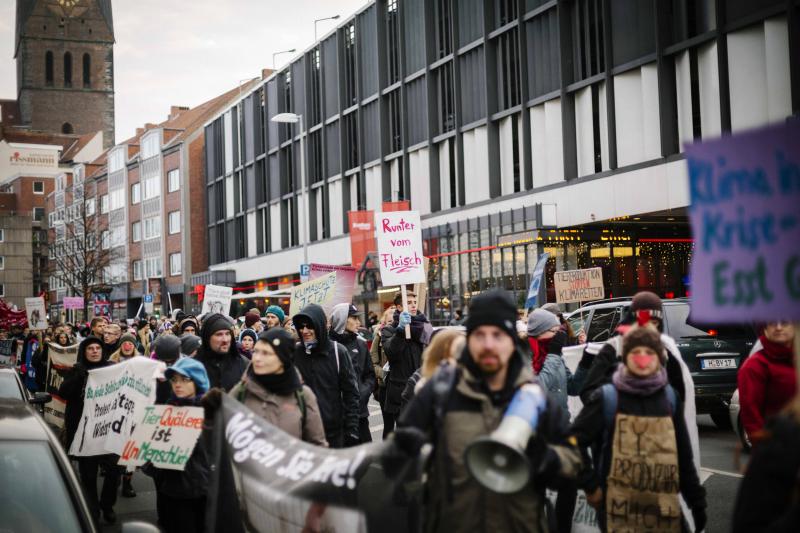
(335, 17)
(279, 53)
(294, 118)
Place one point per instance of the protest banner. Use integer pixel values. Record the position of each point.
(114, 402)
(284, 484)
(165, 436)
(745, 216)
(536, 282)
(579, 285)
(217, 299)
(60, 360)
(8, 356)
(319, 291)
(73, 302)
(345, 282)
(36, 313)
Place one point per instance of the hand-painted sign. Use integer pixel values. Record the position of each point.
(217, 299)
(73, 302)
(318, 291)
(579, 285)
(60, 360)
(345, 282)
(745, 215)
(37, 315)
(399, 236)
(165, 436)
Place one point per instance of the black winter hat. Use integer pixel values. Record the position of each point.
(189, 343)
(282, 342)
(167, 348)
(214, 323)
(493, 308)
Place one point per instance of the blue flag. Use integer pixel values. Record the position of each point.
(536, 282)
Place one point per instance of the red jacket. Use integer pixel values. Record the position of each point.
(767, 381)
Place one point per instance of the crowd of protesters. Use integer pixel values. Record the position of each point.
(313, 374)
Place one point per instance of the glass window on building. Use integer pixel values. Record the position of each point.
(175, 264)
(152, 187)
(38, 214)
(174, 222)
(136, 193)
(104, 204)
(38, 187)
(136, 267)
(2, 235)
(152, 227)
(2, 289)
(173, 180)
(2, 262)
(136, 231)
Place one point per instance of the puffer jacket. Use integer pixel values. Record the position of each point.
(328, 371)
(455, 501)
(283, 411)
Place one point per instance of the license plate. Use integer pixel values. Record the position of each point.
(709, 364)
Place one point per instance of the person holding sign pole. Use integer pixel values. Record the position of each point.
(72, 390)
(181, 495)
(645, 458)
(404, 354)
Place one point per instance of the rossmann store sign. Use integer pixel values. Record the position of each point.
(16, 159)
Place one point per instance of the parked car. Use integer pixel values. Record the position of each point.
(12, 388)
(713, 353)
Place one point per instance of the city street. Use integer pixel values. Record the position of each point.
(719, 475)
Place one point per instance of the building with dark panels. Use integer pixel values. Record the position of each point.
(65, 66)
(477, 111)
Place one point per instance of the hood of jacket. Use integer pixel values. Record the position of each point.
(316, 315)
(81, 358)
(339, 317)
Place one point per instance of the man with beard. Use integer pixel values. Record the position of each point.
(218, 352)
(458, 406)
(404, 355)
(344, 330)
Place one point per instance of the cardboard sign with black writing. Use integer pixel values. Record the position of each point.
(643, 482)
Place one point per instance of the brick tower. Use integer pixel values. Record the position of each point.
(65, 66)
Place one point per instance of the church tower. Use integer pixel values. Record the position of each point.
(65, 66)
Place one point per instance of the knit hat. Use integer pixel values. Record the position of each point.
(277, 311)
(646, 336)
(648, 301)
(167, 347)
(190, 368)
(215, 322)
(127, 337)
(248, 333)
(540, 321)
(492, 308)
(255, 310)
(282, 342)
(250, 319)
(188, 321)
(190, 343)
(552, 307)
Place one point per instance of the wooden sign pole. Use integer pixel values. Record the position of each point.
(405, 307)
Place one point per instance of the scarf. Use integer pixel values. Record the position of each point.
(539, 349)
(280, 384)
(418, 322)
(778, 353)
(626, 382)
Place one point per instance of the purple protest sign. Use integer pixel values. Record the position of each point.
(745, 215)
(73, 302)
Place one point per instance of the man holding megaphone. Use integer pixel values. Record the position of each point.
(492, 457)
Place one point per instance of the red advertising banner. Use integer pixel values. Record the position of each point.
(362, 235)
(402, 205)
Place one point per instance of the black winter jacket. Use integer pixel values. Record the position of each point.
(331, 377)
(224, 370)
(362, 365)
(73, 388)
(404, 355)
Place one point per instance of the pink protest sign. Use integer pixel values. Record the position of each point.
(745, 215)
(345, 281)
(73, 302)
(399, 236)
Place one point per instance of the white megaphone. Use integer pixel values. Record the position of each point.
(498, 462)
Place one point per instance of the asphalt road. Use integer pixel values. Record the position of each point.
(719, 474)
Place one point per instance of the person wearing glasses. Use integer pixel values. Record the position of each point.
(328, 371)
(181, 495)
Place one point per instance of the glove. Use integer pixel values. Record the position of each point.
(404, 443)
(211, 402)
(405, 320)
(549, 465)
(700, 518)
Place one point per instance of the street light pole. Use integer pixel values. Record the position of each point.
(275, 54)
(320, 20)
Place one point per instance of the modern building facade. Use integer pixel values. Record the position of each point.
(478, 111)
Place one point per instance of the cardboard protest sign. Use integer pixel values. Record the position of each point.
(745, 215)
(217, 299)
(345, 282)
(35, 310)
(165, 436)
(60, 360)
(7, 355)
(115, 399)
(284, 484)
(319, 291)
(73, 302)
(399, 236)
(579, 285)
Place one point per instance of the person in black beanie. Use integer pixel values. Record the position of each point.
(218, 352)
(404, 355)
(190, 344)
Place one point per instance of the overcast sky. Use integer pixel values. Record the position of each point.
(184, 52)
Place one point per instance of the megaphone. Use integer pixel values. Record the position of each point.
(498, 462)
